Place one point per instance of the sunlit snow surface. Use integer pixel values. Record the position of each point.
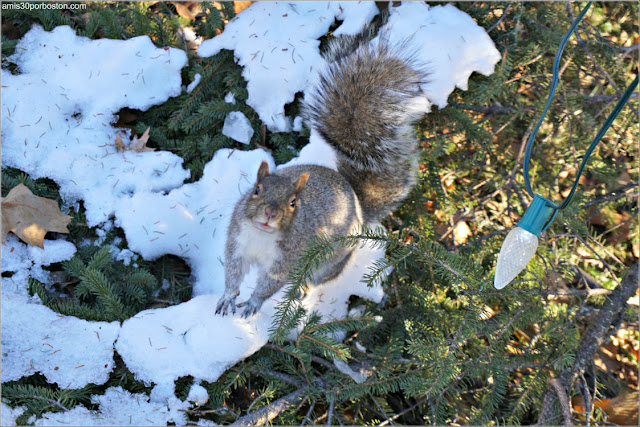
(277, 44)
(57, 117)
(69, 351)
(118, 407)
(277, 64)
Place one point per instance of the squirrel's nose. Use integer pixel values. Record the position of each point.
(269, 212)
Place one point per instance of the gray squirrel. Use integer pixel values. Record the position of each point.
(363, 104)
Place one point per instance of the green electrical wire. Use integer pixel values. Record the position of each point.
(623, 100)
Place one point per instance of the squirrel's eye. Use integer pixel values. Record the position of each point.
(257, 191)
(292, 203)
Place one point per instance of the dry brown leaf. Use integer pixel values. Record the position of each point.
(125, 118)
(621, 410)
(239, 6)
(183, 9)
(11, 31)
(30, 217)
(138, 144)
(119, 144)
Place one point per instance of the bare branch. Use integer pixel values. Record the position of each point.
(607, 98)
(270, 411)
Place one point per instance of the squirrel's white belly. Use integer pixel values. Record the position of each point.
(256, 246)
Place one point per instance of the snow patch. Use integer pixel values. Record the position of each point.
(8, 415)
(57, 115)
(237, 127)
(230, 98)
(66, 350)
(277, 44)
(194, 83)
(118, 407)
(448, 41)
(198, 395)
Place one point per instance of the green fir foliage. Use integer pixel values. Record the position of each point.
(106, 289)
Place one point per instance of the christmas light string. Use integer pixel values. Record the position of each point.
(521, 243)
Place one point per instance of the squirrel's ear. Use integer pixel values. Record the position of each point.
(301, 182)
(263, 171)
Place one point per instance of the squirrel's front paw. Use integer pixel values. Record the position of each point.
(225, 302)
(252, 305)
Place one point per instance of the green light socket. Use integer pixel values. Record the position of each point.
(539, 215)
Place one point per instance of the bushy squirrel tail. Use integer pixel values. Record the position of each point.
(364, 104)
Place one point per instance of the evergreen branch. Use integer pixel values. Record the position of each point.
(607, 98)
(344, 324)
(280, 376)
(270, 411)
(390, 420)
(192, 101)
(289, 311)
(593, 337)
(291, 352)
(618, 193)
(274, 409)
(328, 349)
(53, 403)
(418, 250)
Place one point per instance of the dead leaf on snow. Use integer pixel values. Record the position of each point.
(138, 144)
(119, 143)
(30, 217)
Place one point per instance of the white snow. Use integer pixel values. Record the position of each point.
(230, 98)
(191, 37)
(297, 124)
(276, 66)
(57, 123)
(194, 83)
(37, 339)
(8, 415)
(447, 41)
(277, 44)
(198, 395)
(124, 255)
(57, 115)
(118, 407)
(358, 377)
(237, 127)
(26, 260)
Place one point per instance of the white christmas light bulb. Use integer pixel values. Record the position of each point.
(521, 242)
(516, 252)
